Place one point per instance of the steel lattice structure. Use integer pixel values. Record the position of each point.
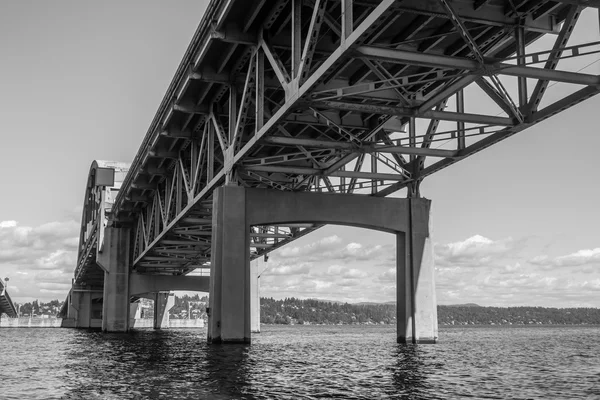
(340, 96)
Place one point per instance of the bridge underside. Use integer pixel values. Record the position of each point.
(338, 97)
(6, 305)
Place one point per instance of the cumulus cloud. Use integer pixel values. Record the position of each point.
(486, 271)
(332, 248)
(39, 260)
(577, 259)
(476, 251)
(318, 247)
(387, 276)
(297, 269)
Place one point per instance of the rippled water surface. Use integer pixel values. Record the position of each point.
(302, 362)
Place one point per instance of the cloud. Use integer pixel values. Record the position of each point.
(299, 269)
(318, 247)
(387, 276)
(39, 260)
(476, 251)
(578, 259)
(333, 248)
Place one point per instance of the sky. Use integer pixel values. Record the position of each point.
(516, 224)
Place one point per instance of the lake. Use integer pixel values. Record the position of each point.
(302, 362)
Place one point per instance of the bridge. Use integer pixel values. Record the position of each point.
(287, 115)
(6, 305)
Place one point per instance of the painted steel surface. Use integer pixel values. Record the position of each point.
(324, 96)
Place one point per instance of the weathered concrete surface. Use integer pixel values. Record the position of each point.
(254, 298)
(163, 302)
(229, 318)
(415, 284)
(114, 259)
(274, 206)
(235, 209)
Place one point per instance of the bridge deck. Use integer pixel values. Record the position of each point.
(342, 96)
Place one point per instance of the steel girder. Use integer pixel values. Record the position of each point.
(330, 96)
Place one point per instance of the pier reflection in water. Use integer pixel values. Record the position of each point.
(349, 362)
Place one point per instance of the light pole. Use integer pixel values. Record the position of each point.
(5, 286)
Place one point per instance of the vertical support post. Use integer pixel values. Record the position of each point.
(210, 149)
(254, 298)
(412, 136)
(232, 112)
(522, 81)
(163, 302)
(373, 170)
(460, 126)
(296, 36)
(229, 320)
(114, 259)
(260, 90)
(347, 19)
(417, 306)
(232, 124)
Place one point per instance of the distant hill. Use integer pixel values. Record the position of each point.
(313, 311)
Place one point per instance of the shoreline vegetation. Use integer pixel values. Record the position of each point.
(292, 311)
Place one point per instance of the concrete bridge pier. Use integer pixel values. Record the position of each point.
(416, 312)
(229, 318)
(236, 209)
(114, 260)
(80, 308)
(254, 298)
(163, 302)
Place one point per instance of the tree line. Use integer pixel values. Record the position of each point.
(297, 311)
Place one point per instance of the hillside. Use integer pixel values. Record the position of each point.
(296, 311)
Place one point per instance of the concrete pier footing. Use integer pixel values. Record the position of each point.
(236, 209)
(163, 302)
(114, 260)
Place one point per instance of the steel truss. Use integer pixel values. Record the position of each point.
(338, 96)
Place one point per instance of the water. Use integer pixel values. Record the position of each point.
(302, 362)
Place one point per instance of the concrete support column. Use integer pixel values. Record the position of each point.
(229, 319)
(163, 302)
(415, 289)
(254, 298)
(114, 259)
(80, 308)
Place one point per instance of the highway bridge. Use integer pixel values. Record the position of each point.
(286, 115)
(6, 305)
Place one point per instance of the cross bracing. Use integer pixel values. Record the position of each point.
(340, 96)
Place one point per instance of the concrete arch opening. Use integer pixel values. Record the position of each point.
(236, 209)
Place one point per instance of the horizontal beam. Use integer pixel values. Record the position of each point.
(441, 61)
(320, 172)
(352, 147)
(270, 235)
(410, 112)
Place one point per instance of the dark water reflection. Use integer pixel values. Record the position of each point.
(357, 362)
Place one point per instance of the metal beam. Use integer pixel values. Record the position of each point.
(409, 112)
(367, 147)
(441, 61)
(319, 172)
